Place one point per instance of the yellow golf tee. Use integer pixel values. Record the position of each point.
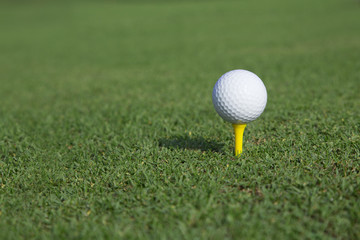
(239, 132)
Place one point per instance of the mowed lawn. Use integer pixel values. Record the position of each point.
(107, 128)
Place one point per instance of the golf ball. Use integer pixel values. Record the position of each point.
(239, 96)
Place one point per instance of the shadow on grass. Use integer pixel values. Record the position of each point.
(191, 143)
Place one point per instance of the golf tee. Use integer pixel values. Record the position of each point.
(239, 133)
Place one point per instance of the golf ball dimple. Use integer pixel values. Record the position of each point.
(239, 96)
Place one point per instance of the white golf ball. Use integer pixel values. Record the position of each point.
(239, 96)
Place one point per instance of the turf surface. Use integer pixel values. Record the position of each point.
(107, 128)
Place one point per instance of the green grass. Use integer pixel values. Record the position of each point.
(107, 129)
